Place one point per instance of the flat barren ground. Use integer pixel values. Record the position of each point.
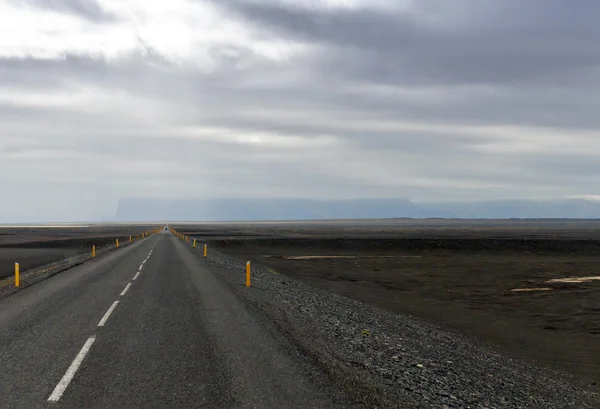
(35, 246)
(530, 288)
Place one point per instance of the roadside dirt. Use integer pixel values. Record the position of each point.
(36, 246)
(466, 285)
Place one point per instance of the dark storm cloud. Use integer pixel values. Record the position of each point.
(480, 42)
(90, 10)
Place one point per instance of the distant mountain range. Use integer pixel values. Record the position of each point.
(144, 209)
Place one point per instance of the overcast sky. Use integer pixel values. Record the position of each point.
(425, 99)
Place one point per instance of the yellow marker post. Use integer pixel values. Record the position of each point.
(247, 274)
(194, 246)
(17, 275)
(93, 251)
(205, 250)
(117, 243)
(130, 239)
(187, 239)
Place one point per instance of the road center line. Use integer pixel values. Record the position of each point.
(141, 267)
(136, 275)
(66, 379)
(126, 289)
(110, 310)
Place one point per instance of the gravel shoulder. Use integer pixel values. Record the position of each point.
(37, 274)
(386, 360)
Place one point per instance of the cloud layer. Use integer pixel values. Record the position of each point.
(428, 99)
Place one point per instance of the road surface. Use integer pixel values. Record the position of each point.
(147, 326)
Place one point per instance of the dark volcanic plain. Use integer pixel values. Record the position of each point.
(459, 274)
(35, 246)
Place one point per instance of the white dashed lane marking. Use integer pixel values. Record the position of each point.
(126, 289)
(66, 379)
(107, 315)
(61, 387)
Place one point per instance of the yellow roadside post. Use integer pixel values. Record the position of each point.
(94, 251)
(205, 250)
(17, 275)
(194, 246)
(187, 239)
(117, 243)
(247, 274)
(130, 239)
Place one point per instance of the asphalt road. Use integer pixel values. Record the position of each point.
(147, 326)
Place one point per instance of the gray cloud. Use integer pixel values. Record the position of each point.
(90, 10)
(483, 100)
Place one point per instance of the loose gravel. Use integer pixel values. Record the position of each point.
(34, 275)
(392, 361)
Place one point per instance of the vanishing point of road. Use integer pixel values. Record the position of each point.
(148, 326)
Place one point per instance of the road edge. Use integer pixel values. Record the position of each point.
(379, 388)
(37, 274)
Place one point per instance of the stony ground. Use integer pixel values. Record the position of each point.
(396, 361)
(511, 292)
